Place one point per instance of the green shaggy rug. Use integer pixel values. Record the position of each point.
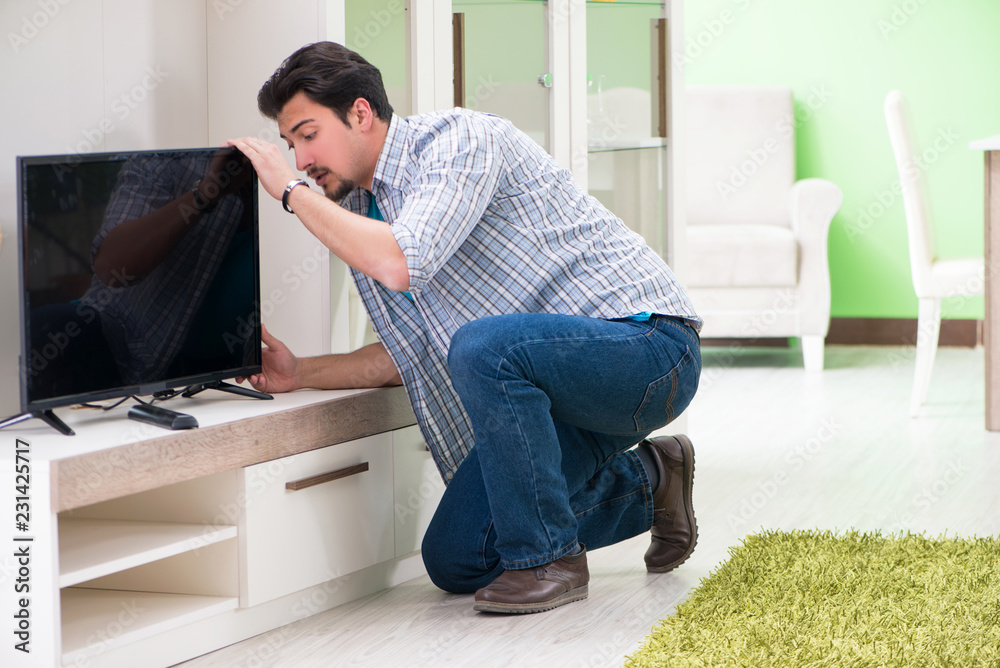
(811, 598)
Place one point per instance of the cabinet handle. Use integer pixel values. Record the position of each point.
(296, 485)
(458, 57)
(661, 72)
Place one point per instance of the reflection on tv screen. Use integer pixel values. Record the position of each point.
(139, 269)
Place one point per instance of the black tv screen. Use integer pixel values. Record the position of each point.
(139, 273)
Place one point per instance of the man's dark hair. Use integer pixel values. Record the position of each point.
(329, 74)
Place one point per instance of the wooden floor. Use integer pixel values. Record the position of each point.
(776, 448)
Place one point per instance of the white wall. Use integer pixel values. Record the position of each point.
(96, 75)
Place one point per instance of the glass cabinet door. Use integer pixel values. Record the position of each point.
(502, 61)
(626, 140)
(376, 29)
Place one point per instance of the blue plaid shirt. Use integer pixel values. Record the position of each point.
(491, 224)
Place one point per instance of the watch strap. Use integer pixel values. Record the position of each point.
(288, 191)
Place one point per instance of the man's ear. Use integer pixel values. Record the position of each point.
(364, 112)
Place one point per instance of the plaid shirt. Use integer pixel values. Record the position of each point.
(491, 224)
(147, 320)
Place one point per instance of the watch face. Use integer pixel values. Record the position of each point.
(288, 190)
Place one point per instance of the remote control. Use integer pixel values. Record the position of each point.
(162, 417)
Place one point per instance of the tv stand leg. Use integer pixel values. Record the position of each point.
(47, 416)
(225, 387)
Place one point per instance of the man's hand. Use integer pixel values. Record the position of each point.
(280, 367)
(227, 173)
(273, 170)
(370, 366)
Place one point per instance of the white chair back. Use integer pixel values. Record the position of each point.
(919, 226)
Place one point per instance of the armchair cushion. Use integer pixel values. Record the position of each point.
(742, 255)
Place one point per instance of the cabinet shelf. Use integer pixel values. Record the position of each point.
(92, 548)
(98, 620)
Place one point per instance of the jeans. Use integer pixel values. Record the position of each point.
(556, 403)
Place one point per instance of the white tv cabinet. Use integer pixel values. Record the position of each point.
(149, 547)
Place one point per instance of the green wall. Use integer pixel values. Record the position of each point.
(841, 58)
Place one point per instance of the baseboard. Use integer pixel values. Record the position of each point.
(780, 342)
(877, 332)
(901, 331)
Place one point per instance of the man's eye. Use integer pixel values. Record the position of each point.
(311, 135)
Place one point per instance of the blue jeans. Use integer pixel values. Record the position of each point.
(556, 403)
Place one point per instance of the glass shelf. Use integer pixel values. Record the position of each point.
(626, 153)
(643, 143)
(626, 3)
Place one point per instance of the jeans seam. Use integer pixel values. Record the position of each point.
(641, 334)
(523, 440)
(688, 331)
(540, 561)
(482, 549)
(607, 502)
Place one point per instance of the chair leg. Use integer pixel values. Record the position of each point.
(812, 352)
(928, 328)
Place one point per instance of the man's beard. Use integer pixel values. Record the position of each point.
(344, 188)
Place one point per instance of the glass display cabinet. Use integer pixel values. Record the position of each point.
(627, 123)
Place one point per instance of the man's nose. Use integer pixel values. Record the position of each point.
(302, 161)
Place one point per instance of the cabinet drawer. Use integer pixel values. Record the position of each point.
(315, 516)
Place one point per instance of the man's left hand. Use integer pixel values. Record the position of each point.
(272, 168)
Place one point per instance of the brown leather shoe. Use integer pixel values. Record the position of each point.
(537, 589)
(674, 531)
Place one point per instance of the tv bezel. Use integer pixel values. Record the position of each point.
(72, 161)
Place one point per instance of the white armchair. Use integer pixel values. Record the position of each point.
(756, 262)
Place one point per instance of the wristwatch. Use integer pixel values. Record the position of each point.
(288, 191)
(200, 202)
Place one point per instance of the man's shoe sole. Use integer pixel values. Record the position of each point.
(577, 594)
(688, 481)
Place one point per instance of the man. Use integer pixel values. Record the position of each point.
(537, 337)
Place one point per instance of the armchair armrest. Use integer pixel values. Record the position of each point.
(812, 204)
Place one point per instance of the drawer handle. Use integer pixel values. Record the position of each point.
(296, 485)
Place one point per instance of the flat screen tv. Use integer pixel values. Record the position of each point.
(139, 274)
